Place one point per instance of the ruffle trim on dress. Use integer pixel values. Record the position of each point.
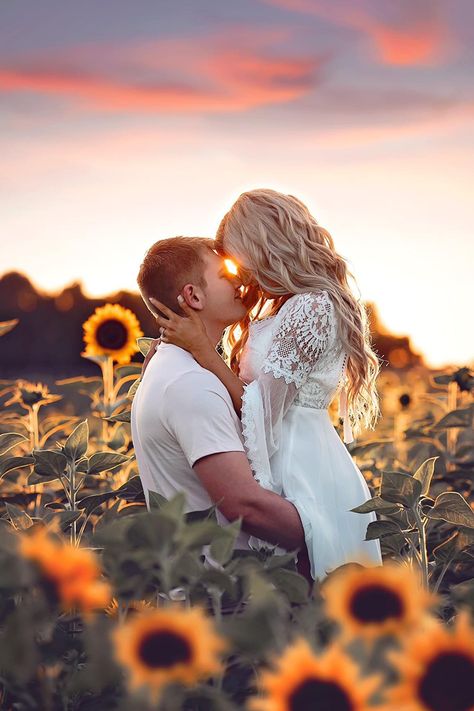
(249, 417)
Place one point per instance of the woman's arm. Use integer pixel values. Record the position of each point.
(210, 359)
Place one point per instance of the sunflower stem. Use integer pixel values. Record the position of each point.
(66, 489)
(34, 433)
(415, 551)
(441, 575)
(216, 596)
(72, 493)
(34, 427)
(452, 433)
(107, 368)
(421, 526)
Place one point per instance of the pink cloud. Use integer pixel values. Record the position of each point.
(418, 39)
(236, 72)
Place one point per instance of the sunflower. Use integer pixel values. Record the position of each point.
(436, 669)
(403, 396)
(302, 680)
(112, 331)
(168, 646)
(70, 575)
(134, 607)
(32, 395)
(378, 600)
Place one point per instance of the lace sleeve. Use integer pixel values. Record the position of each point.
(301, 338)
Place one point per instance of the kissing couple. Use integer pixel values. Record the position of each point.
(252, 432)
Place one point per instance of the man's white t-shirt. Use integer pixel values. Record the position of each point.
(180, 413)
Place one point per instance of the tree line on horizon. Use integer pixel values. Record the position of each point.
(48, 339)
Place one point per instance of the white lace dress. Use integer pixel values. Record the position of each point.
(293, 365)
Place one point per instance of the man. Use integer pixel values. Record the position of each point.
(186, 434)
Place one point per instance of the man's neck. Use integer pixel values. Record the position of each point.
(214, 330)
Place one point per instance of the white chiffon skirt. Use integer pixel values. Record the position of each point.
(314, 470)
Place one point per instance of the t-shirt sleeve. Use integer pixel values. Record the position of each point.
(201, 418)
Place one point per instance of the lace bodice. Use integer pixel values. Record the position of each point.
(299, 344)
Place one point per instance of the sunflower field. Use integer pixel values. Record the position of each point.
(105, 604)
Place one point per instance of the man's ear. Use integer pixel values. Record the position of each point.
(194, 296)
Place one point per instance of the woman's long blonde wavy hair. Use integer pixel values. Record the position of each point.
(279, 243)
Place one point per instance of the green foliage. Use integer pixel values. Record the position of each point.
(78, 474)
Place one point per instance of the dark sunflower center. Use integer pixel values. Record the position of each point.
(111, 334)
(404, 400)
(164, 649)
(319, 694)
(50, 589)
(448, 684)
(376, 603)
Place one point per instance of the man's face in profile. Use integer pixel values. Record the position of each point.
(222, 291)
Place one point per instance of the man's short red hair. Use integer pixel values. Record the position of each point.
(170, 264)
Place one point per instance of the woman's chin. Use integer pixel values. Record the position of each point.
(240, 310)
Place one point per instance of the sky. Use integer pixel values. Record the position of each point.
(125, 122)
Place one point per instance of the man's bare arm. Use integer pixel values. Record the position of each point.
(228, 479)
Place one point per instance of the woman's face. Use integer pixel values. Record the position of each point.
(236, 264)
(239, 265)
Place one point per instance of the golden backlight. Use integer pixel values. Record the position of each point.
(231, 267)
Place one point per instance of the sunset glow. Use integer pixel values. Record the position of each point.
(122, 127)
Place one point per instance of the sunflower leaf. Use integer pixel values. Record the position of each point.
(424, 474)
(456, 418)
(380, 529)
(291, 584)
(49, 463)
(18, 517)
(200, 533)
(6, 326)
(11, 463)
(123, 416)
(280, 561)
(223, 542)
(459, 541)
(376, 504)
(400, 488)
(10, 440)
(156, 500)
(89, 503)
(132, 490)
(372, 449)
(77, 442)
(65, 518)
(175, 507)
(144, 344)
(104, 461)
(452, 507)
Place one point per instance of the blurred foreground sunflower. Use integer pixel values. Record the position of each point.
(71, 575)
(436, 667)
(379, 600)
(168, 646)
(302, 680)
(112, 331)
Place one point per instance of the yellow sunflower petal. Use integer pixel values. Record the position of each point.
(112, 331)
(300, 679)
(168, 645)
(378, 600)
(436, 668)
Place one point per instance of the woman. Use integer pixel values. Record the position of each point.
(304, 340)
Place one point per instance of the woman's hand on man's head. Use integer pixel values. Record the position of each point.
(187, 331)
